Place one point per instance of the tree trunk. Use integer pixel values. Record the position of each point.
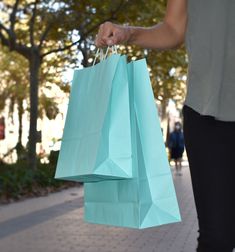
(164, 104)
(20, 115)
(19, 145)
(85, 59)
(83, 47)
(34, 66)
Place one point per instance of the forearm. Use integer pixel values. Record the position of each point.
(161, 36)
(166, 35)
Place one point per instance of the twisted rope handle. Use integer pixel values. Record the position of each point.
(103, 56)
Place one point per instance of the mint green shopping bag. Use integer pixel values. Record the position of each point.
(96, 143)
(149, 198)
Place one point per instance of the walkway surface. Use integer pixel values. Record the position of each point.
(55, 224)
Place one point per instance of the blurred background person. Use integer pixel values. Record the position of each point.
(176, 147)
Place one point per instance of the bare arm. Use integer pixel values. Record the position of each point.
(168, 34)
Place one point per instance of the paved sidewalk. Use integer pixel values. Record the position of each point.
(55, 224)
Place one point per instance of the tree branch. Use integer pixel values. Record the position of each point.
(32, 22)
(10, 42)
(74, 43)
(12, 36)
(4, 40)
(84, 53)
(23, 50)
(13, 15)
(2, 27)
(60, 49)
(119, 8)
(44, 34)
(83, 36)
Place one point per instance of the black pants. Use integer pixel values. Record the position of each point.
(210, 147)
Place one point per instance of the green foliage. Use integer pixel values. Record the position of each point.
(168, 72)
(18, 181)
(60, 34)
(13, 78)
(49, 106)
(81, 20)
(14, 84)
(166, 83)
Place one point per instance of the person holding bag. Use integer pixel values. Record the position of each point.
(207, 28)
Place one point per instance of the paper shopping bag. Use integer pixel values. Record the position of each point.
(148, 199)
(96, 143)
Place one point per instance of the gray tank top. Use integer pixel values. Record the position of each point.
(210, 42)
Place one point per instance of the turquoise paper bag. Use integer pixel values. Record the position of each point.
(148, 199)
(96, 142)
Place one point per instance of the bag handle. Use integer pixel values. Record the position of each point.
(100, 52)
(113, 48)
